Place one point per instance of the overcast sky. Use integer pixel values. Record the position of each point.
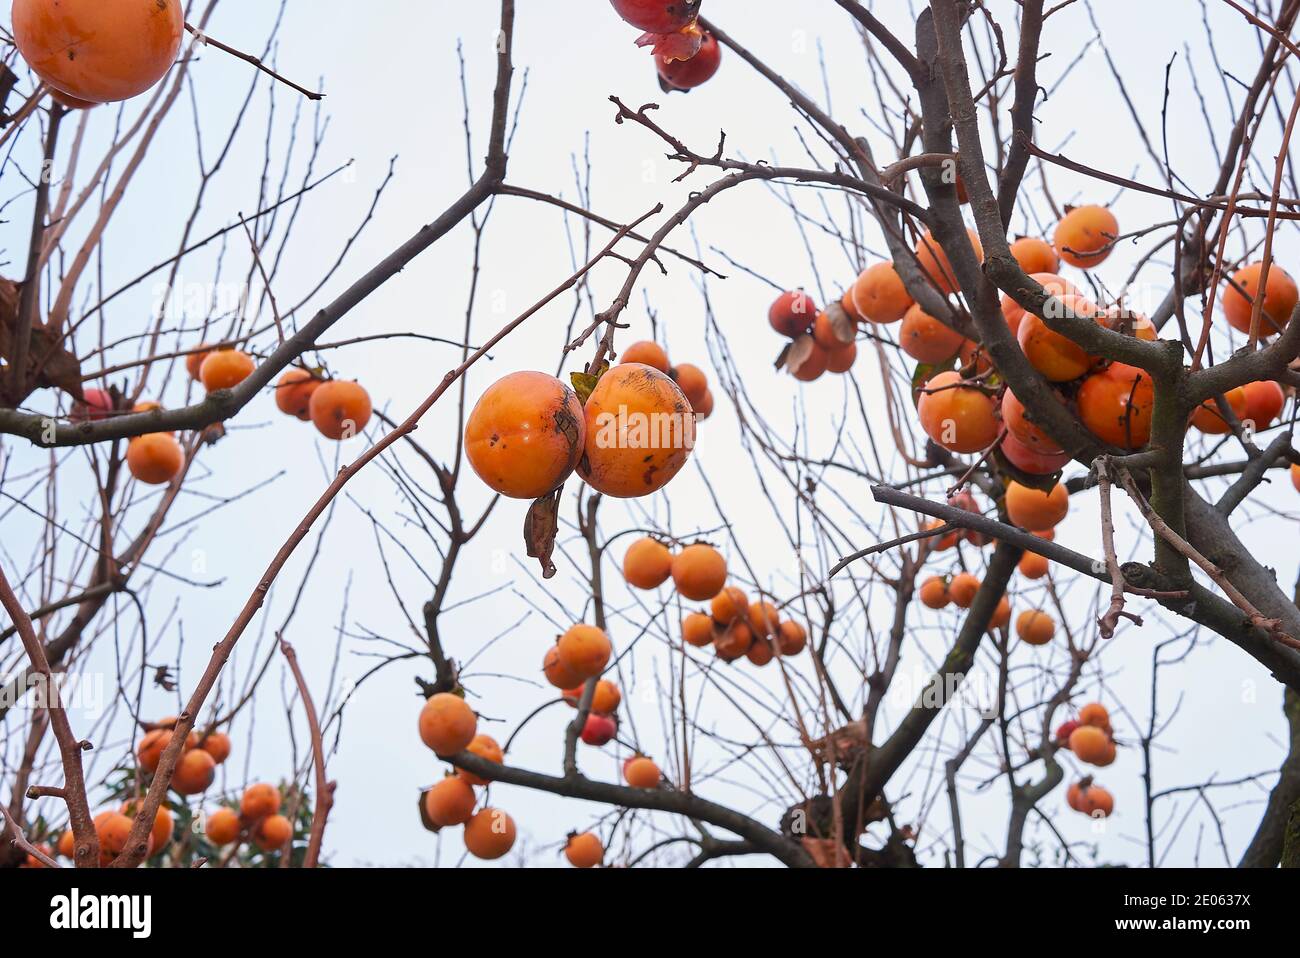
(392, 80)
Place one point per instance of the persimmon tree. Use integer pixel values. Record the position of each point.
(995, 373)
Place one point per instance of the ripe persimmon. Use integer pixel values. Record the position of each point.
(957, 416)
(340, 409)
(1035, 627)
(163, 826)
(641, 772)
(1264, 403)
(1019, 425)
(259, 800)
(1057, 357)
(113, 829)
(1058, 286)
(152, 744)
(450, 802)
(293, 392)
(489, 834)
(1208, 419)
(962, 589)
(447, 724)
(273, 833)
(1035, 509)
(216, 744)
(760, 651)
(605, 700)
(67, 846)
(194, 361)
(96, 51)
(764, 619)
(70, 102)
(1295, 476)
(693, 71)
(155, 458)
(486, 747)
(225, 369)
(194, 772)
(1035, 255)
(600, 729)
(648, 352)
(640, 430)
(647, 564)
(1116, 405)
(791, 637)
(1096, 715)
(1280, 297)
(658, 16)
(223, 826)
(1029, 460)
(699, 572)
(812, 366)
(692, 382)
(585, 651)
(879, 295)
(1032, 565)
(525, 434)
(704, 408)
(934, 593)
(1085, 236)
(792, 313)
(834, 329)
(841, 360)
(935, 264)
(926, 339)
(1091, 800)
(697, 629)
(584, 851)
(1001, 617)
(1090, 744)
(732, 641)
(556, 672)
(729, 605)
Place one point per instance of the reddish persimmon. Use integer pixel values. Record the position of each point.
(1032, 565)
(450, 802)
(222, 827)
(1085, 236)
(649, 353)
(1116, 405)
(155, 458)
(217, 744)
(958, 417)
(1035, 255)
(1035, 627)
(1264, 403)
(791, 637)
(697, 629)
(926, 339)
(658, 16)
(340, 409)
(1018, 425)
(599, 730)
(194, 772)
(585, 650)
(447, 724)
(841, 360)
(194, 361)
(812, 366)
(962, 589)
(729, 605)
(489, 834)
(225, 369)
(760, 652)
(692, 72)
(1295, 476)
(733, 641)
(640, 430)
(1209, 420)
(935, 264)
(641, 772)
(96, 51)
(294, 391)
(556, 672)
(792, 313)
(1280, 297)
(1029, 460)
(879, 295)
(691, 381)
(1092, 800)
(1035, 509)
(647, 564)
(584, 851)
(934, 593)
(699, 572)
(272, 834)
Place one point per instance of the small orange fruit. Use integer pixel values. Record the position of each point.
(934, 261)
(1264, 403)
(222, 827)
(733, 641)
(926, 339)
(879, 294)
(760, 651)
(1085, 236)
(155, 458)
(447, 723)
(151, 747)
(194, 772)
(585, 651)
(958, 417)
(641, 772)
(647, 564)
(293, 392)
(194, 361)
(113, 829)
(450, 802)
(697, 629)
(1280, 297)
(729, 605)
(1095, 714)
(1032, 565)
(1116, 405)
(217, 744)
(556, 672)
(1034, 509)
(962, 589)
(692, 381)
(1209, 420)
(699, 572)
(1035, 627)
(584, 851)
(1090, 744)
(791, 637)
(340, 409)
(764, 619)
(486, 747)
(1001, 617)
(259, 801)
(272, 834)
(1035, 255)
(649, 353)
(934, 593)
(489, 834)
(225, 369)
(1057, 357)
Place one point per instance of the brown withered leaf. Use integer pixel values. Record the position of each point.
(541, 526)
(797, 353)
(584, 384)
(843, 326)
(842, 745)
(425, 820)
(48, 363)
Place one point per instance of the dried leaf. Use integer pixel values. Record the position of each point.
(797, 353)
(843, 326)
(425, 820)
(541, 526)
(584, 384)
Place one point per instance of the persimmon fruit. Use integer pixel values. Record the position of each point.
(1280, 298)
(340, 409)
(694, 71)
(259, 800)
(792, 313)
(697, 629)
(585, 651)
(490, 834)
(962, 589)
(97, 51)
(1264, 403)
(764, 619)
(486, 747)
(641, 772)
(557, 672)
(649, 353)
(1116, 405)
(1035, 627)
(155, 458)
(1019, 425)
(1058, 286)
(450, 802)
(216, 744)
(1086, 235)
(732, 641)
(223, 826)
(935, 264)
(791, 637)
(699, 572)
(934, 593)
(926, 339)
(225, 369)
(599, 729)
(1032, 565)
(729, 605)
(647, 564)
(1096, 715)
(1035, 255)
(879, 295)
(1209, 420)
(293, 393)
(194, 772)
(1090, 744)
(957, 416)
(584, 851)
(1057, 357)
(658, 16)
(273, 833)
(1035, 509)
(1091, 800)
(447, 724)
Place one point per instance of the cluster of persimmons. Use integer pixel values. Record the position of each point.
(1092, 741)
